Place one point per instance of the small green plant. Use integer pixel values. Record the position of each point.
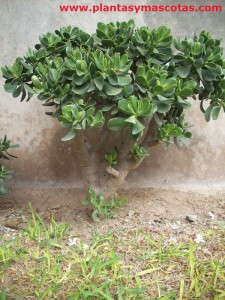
(138, 152)
(4, 173)
(100, 207)
(111, 157)
(173, 132)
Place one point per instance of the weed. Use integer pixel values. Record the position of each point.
(100, 207)
(7, 252)
(51, 234)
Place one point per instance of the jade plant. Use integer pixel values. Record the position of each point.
(127, 86)
(4, 154)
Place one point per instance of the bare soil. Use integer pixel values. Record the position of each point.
(155, 210)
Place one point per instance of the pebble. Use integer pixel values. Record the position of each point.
(12, 224)
(157, 221)
(130, 213)
(191, 218)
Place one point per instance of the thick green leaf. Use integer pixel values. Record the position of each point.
(137, 128)
(107, 107)
(208, 112)
(141, 80)
(36, 82)
(99, 82)
(17, 92)
(214, 68)
(69, 136)
(137, 107)
(186, 92)
(177, 44)
(163, 107)
(90, 111)
(183, 71)
(190, 84)
(146, 108)
(80, 80)
(158, 120)
(215, 112)
(131, 119)
(64, 122)
(41, 68)
(111, 90)
(158, 89)
(124, 80)
(82, 89)
(91, 87)
(116, 124)
(208, 75)
(29, 89)
(124, 106)
(171, 83)
(107, 43)
(127, 90)
(6, 73)
(114, 111)
(182, 103)
(101, 34)
(113, 78)
(98, 120)
(10, 87)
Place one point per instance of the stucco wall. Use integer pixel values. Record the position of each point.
(46, 161)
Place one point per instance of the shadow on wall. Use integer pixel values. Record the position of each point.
(47, 160)
(63, 163)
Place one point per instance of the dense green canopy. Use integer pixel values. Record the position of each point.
(126, 73)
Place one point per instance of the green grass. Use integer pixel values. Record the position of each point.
(38, 263)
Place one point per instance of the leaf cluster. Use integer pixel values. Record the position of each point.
(138, 152)
(126, 73)
(111, 157)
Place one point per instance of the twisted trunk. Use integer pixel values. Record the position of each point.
(88, 162)
(90, 159)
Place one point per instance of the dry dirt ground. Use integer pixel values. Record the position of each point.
(155, 210)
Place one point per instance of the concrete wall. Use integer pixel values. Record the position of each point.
(46, 161)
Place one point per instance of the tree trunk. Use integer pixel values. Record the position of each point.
(112, 184)
(88, 163)
(90, 160)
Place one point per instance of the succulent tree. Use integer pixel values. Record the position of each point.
(130, 85)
